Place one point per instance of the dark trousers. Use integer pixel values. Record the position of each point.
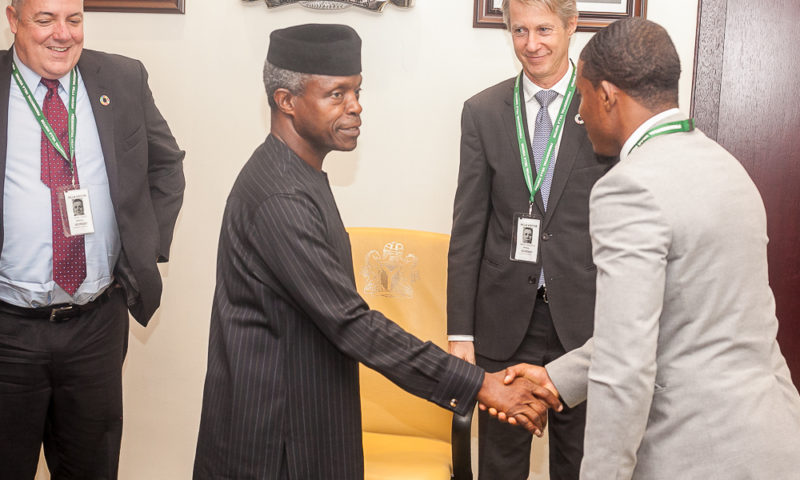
(61, 386)
(504, 450)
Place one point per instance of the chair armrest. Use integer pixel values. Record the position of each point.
(462, 446)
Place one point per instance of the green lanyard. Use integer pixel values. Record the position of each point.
(46, 128)
(533, 187)
(665, 129)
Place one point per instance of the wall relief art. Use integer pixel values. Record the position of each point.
(391, 272)
(374, 5)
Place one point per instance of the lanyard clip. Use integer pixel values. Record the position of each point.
(530, 208)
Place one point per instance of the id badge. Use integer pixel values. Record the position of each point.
(525, 238)
(76, 211)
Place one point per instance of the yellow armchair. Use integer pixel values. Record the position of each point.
(403, 274)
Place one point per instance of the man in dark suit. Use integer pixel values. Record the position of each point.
(509, 301)
(75, 125)
(288, 326)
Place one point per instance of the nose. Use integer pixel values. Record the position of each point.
(533, 42)
(353, 105)
(61, 31)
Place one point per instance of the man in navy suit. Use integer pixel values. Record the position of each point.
(75, 125)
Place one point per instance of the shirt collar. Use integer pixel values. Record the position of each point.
(32, 78)
(530, 89)
(644, 127)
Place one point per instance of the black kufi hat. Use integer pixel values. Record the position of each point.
(320, 49)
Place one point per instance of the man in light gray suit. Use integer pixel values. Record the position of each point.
(685, 376)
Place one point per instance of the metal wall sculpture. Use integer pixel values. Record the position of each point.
(375, 5)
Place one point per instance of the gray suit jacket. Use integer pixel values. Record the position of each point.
(488, 295)
(143, 163)
(686, 377)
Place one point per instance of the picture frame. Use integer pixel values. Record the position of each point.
(594, 14)
(135, 6)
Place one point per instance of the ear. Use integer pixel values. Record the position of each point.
(572, 25)
(284, 100)
(608, 94)
(11, 15)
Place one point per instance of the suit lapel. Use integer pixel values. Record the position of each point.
(97, 86)
(5, 87)
(510, 129)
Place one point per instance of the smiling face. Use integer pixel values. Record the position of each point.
(328, 114)
(48, 35)
(541, 42)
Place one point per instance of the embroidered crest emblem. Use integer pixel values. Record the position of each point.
(390, 273)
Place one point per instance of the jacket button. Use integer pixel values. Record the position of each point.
(546, 236)
(453, 403)
(532, 280)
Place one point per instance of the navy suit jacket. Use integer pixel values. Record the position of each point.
(144, 166)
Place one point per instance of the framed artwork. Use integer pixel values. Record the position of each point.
(140, 6)
(594, 14)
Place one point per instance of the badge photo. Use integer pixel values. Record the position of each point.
(76, 211)
(525, 238)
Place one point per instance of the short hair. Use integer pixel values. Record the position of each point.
(565, 9)
(276, 77)
(637, 56)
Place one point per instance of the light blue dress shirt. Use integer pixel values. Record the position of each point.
(26, 262)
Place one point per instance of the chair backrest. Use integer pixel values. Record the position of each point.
(403, 274)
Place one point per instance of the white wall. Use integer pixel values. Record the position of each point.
(420, 64)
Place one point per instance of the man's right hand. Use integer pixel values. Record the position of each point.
(522, 402)
(534, 373)
(463, 350)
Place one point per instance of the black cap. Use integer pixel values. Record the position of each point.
(320, 49)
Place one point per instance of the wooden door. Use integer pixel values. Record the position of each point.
(746, 97)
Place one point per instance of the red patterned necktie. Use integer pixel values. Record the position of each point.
(69, 258)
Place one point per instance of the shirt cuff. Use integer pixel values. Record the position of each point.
(460, 338)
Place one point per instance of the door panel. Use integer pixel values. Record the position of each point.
(746, 97)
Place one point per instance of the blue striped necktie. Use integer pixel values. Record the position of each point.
(541, 135)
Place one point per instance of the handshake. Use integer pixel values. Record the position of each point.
(520, 395)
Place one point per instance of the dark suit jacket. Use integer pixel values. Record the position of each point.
(288, 329)
(488, 295)
(143, 163)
